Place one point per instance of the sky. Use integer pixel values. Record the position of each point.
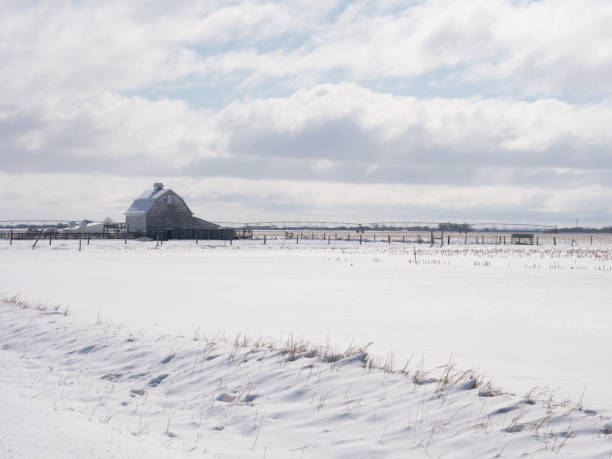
(355, 111)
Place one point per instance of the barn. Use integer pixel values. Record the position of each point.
(161, 213)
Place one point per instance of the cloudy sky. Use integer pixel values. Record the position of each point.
(492, 110)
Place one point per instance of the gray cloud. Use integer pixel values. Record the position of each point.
(70, 72)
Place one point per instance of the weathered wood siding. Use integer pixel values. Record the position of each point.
(136, 223)
(169, 212)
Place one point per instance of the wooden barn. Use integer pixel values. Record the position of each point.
(161, 213)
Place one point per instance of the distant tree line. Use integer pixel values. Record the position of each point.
(580, 229)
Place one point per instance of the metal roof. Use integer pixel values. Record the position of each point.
(145, 201)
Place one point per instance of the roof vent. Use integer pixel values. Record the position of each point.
(158, 186)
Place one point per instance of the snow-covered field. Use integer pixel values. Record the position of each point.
(534, 320)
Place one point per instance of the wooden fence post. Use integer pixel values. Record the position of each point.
(79, 242)
(554, 240)
(389, 236)
(328, 240)
(49, 239)
(265, 239)
(11, 237)
(360, 238)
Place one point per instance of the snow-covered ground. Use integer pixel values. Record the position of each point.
(74, 390)
(531, 319)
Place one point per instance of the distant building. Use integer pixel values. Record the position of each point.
(522, 239)
(161, 212)
(86, 226)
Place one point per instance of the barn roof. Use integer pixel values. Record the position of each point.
(145, 201)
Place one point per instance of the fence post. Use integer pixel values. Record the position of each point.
(389, 236)
(360, 238)
(264, 239)
(431, 237)
(49, 239)
(448, 242)
(554, 240)
(403, 238)
(328, 240)
(374, 237)
(11, 237)
(297, 238)
(126, 231)
(79, 242)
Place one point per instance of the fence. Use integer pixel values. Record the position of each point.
(205, 234)
(25, 235)
(431, 238)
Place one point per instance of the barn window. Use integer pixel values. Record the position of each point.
(170, 200)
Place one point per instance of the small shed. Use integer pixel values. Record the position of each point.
(522, 239)
(161, 212)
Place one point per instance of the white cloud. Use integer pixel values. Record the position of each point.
(548, 47)
(392, 128)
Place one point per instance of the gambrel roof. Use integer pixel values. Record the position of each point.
(145, 201)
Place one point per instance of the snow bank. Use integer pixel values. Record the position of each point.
(100, 390)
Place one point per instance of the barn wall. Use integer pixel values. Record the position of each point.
(136, 223)
(169, 212)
